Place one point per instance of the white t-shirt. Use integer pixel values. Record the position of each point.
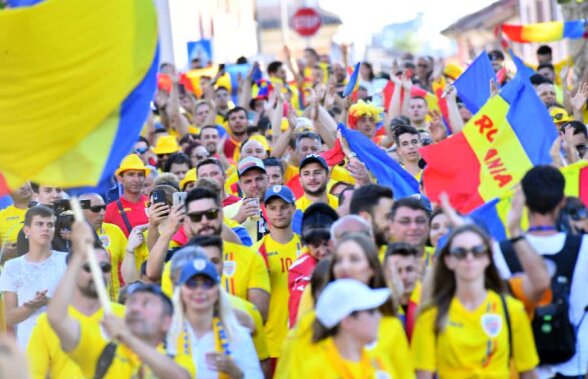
(241, 348)
(550, 245)
(25, 279)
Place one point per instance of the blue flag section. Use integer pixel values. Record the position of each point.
(473, 86)
(385, 169)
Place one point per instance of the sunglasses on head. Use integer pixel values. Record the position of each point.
(200, 282)
(105, 267)
(141, 150)
(462, 252)
(210, 215)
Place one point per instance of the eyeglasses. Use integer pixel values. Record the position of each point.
(462, 252)
(141, 150)
(210, 215)
(97, 208)
(408, 221)
(105, 267)
(200, 282)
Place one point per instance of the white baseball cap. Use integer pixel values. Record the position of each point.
(344, 296)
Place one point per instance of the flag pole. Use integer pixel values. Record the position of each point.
(92, 261)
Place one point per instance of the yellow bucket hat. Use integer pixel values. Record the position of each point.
(190, 177)
(132, 162)
(166, 145)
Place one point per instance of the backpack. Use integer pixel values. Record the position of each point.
(555, 336)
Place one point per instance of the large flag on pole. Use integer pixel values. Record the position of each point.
(75, 89)
(509, 135)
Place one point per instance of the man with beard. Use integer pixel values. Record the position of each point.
(130, 210)
(11, 220)
(247, 212)
(314, 177)
(244, 272)
(373, 203)
(279, 248)
(238, 123)
(44, 352)
(137, 349)
(112, 239)
(209, 137)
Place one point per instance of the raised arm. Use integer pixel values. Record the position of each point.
(162, 365)
(157, 254)
(128, 267)
(66, 327)
(536, 279)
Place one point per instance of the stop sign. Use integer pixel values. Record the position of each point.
(306, 22)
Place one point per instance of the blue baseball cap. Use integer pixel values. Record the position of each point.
(282, 192)
(199, 266)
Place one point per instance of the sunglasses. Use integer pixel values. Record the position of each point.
(210, 215)
(105, 267)
(461, 252)
(97, 208)
(200, 282)
(142, 150)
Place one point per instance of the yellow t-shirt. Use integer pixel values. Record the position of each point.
(125, 364)
(46, 359)
(259, 337)
(11, 222)
(475, 343)
(278, 257)
(243, 270)
(326, 362)
(391, 349)
(115, 242)
(304, 202)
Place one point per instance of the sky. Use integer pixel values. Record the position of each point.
(372, 15)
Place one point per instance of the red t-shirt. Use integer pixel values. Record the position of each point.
(136, 213)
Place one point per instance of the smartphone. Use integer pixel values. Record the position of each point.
(179, 198)
(159, 196)
(60, 206)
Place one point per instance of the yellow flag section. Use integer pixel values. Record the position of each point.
(503, 161)
(66, 66)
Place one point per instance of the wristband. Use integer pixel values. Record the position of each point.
(517, 239)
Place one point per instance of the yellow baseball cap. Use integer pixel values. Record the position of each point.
(190, 177)
(559, 115)
(166, 145)
(132, 162)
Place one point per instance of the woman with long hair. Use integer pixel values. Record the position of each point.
(470, 328)
(208, 329)
(356, 257)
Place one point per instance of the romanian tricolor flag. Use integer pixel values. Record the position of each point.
(545, 31)
(511, 133)
(493, 214)
(576, 176)
(75, 89)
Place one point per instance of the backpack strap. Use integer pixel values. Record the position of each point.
(124, 216)
(565, 259)
(512, 261)
(105, 360)
(508, 325)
